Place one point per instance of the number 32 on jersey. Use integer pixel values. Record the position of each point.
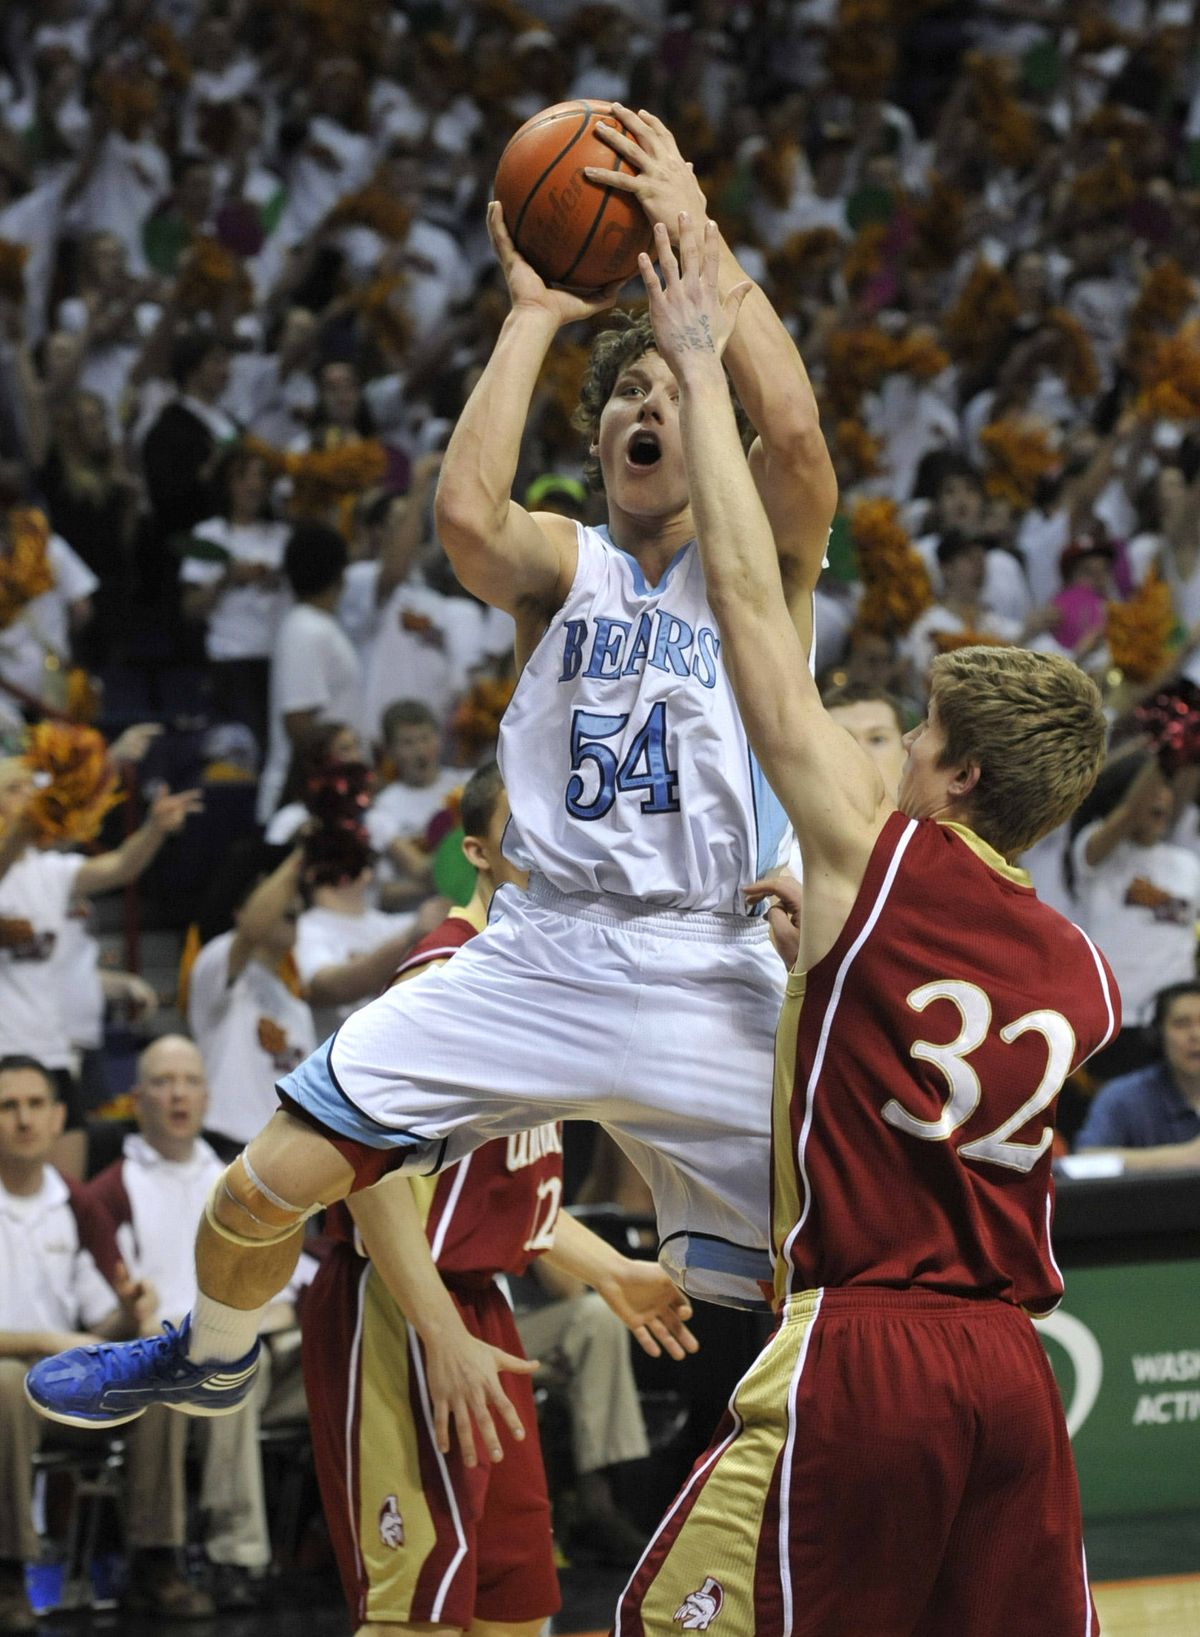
(951, 1061)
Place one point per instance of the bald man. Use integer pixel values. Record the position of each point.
(151, 1195)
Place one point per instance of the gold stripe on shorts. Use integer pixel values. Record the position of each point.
(718, 1549)
(395, 1529)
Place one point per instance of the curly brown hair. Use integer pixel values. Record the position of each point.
(626, 337)
(623, 340)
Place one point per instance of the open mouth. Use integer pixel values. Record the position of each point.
(644, 449)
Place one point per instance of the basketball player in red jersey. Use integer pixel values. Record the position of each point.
(896, 1462)
(425, 1535)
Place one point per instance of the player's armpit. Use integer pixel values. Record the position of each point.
(798, 488)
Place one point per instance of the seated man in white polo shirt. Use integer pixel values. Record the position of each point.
(53, 1246)
(149, 1195)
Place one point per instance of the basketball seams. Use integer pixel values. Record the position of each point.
(550, 168)
(546, 204)
(606, 196)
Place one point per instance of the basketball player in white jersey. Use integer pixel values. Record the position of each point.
(630, 984)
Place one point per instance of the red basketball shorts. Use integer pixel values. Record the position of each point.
(418, 1536)
(894, 1464)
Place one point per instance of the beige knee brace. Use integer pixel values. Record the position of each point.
(243, 1210)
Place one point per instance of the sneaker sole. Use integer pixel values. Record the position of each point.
(79, 1419)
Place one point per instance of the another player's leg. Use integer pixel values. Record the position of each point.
(247, 1246)
(823, 1504)
(1020, 1503)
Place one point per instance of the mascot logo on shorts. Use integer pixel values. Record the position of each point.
(700, 1608)
(391, 1524)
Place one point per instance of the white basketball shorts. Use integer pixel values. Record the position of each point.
(659, 1025)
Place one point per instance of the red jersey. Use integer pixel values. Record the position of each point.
(917, 1069)
(495, 1210)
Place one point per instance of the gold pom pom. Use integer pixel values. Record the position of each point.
(896, 586)
(81, 786)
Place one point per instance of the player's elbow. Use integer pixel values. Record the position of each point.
(742, 597)
(808, 458)
(466, 516)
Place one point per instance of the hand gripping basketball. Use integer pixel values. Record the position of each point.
(661, 180)
(527, 288)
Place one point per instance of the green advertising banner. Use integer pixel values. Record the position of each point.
(1125, 1348)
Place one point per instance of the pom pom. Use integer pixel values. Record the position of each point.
(896, 585)
(337, 853)
(475, 724)
(1170, 378)
(1171, 722)
(25, 571)
(1020, 455)
(1139, 630)
(986, 310)
(1008, 129)
(323, 477)
(339, 791)
(80, 785)
(209, 274)
(860, 52)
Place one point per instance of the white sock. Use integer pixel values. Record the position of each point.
(220, 1332)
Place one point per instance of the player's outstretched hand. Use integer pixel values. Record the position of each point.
(527, 288)
(691, 321)
(465, 1387)
(662, 180)
(652, 1306)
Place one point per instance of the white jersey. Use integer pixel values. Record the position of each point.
(624, 757)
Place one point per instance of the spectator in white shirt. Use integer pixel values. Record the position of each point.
(36, 890)
(150, 1195)
(315, 671)
(57, 1256)
(399, 816)
(243, 1006)
(1138, 896)
(233, 579)
(322, 745)
(35, 645)
(962, 607)
(347, 950)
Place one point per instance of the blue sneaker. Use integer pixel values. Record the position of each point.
(117, 1381)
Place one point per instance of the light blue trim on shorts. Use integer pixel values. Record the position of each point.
(313, 1086)
(716, 1270)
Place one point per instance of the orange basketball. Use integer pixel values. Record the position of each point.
(571, 231)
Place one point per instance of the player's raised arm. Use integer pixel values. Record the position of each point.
(789, 458)
(833, 793)
(499, 551)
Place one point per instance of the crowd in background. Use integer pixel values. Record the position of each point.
(245, 286)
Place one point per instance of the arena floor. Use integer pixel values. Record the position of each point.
(1146, 1576)
(1151, 1606)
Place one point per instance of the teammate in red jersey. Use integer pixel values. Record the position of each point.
(896, 1462)
(425, 1535)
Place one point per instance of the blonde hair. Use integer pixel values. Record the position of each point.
(1033, 724)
